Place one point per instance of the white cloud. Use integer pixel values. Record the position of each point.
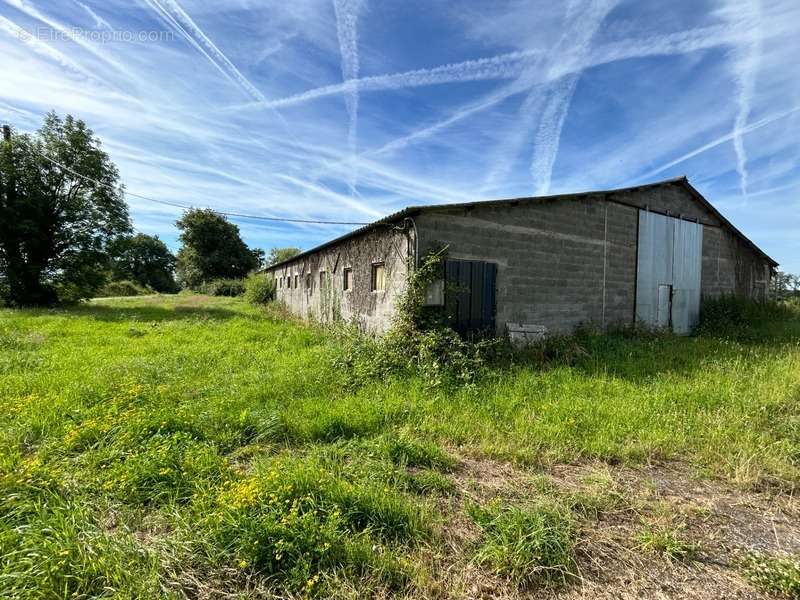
(98, 20)
(347, 13)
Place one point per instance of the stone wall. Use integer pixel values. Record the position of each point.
(324, 299)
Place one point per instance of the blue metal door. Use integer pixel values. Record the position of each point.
(470, 296)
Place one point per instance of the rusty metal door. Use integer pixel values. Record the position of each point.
(668, 272)
(470, 295)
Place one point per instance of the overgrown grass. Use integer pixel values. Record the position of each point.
(530, 545)
(191, 445)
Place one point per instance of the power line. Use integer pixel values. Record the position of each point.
(187, 207)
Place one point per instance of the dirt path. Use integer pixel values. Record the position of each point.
(714, 522)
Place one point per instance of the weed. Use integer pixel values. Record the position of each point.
(407, 451)
(779, 575)
(667, 540)
(293, 520)
(419, 341)
(55, 548)
(599, 493)
(742, 319)
(212, 393)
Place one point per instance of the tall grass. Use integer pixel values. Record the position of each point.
(154, 446)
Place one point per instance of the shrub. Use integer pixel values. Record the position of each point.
(259, 289)
(529, 545)
(439, 356)
(122, 288)
(223, 287)
(419, 341)
(775, 575)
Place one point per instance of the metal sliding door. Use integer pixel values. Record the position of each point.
(668, 272)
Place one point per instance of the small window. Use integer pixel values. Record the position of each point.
(296, 282)
(289, 282)
(347, 276)
(378, 277)
(308, 282)
(322, 275)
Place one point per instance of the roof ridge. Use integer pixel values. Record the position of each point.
(408, 211)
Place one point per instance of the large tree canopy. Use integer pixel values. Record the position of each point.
(55, 226)
(144, 259)
(212, 249)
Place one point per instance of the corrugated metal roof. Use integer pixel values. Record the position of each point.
(410, 211)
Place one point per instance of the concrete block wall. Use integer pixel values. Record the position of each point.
(571, 261)
(325, 300)
(731, 267)
(561, 263)
(671, 199)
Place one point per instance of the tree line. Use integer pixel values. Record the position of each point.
(785, 285)
(65, 229)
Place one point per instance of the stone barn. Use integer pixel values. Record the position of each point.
(533, 266)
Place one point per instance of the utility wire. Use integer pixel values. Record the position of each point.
(186, 207)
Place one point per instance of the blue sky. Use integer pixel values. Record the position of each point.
(346, 110)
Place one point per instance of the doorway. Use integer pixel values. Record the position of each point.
(470, 296)
(668, 272)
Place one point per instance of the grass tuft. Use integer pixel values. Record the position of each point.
(293, 521)
(668, 541)
(530, 545)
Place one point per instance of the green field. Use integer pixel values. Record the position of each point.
(189, 446)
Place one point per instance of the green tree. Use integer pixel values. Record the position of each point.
(277, 255)
(782, 284)
(55, 226)
(212, 249)
(144, 259)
